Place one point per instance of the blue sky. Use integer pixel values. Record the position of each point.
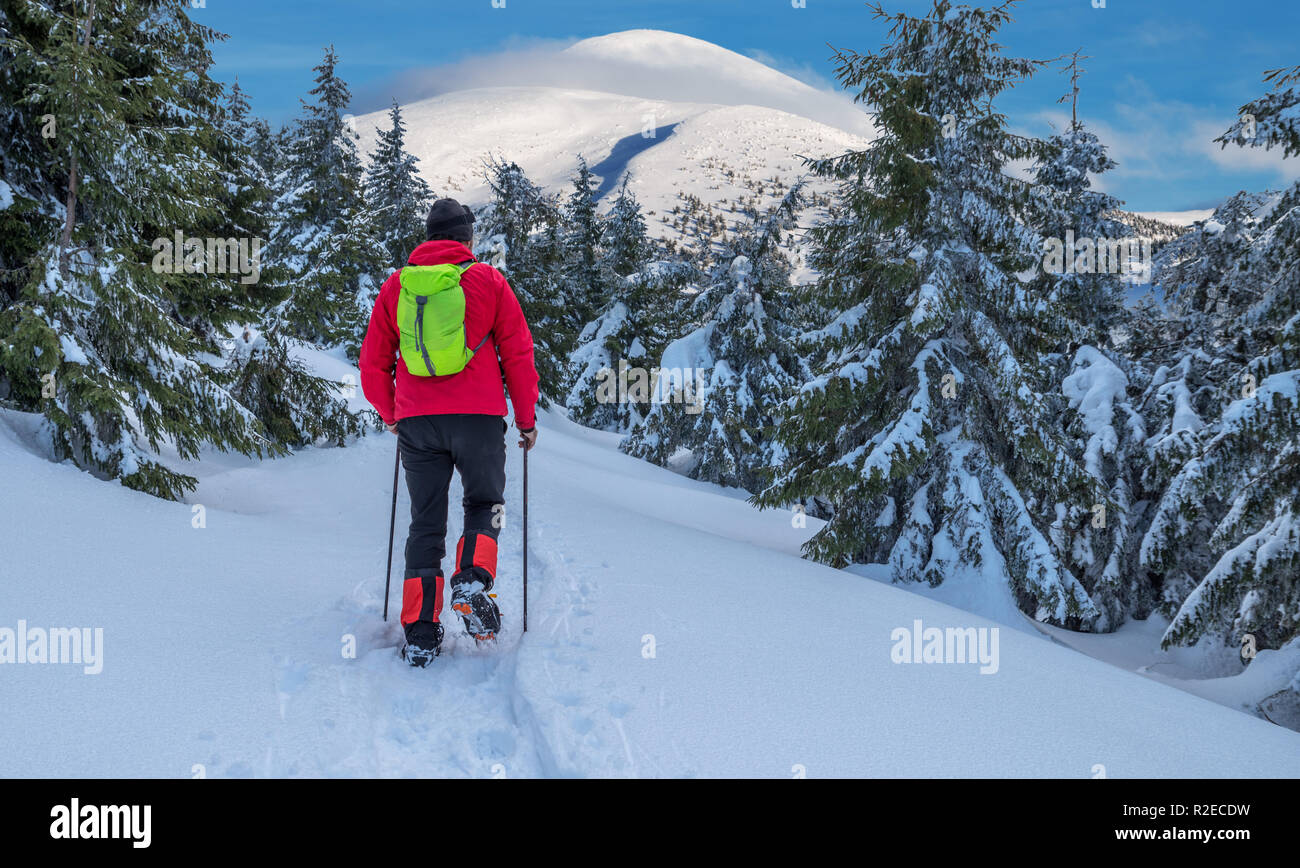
(1165, 76)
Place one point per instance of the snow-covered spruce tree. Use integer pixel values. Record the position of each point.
(1086, 263)
(1273, 120)
(325, 238)
(115, 146)
(1243, 484)
(628, 330)
(519, 233)
(727, 376)
(1188, 342)
(396, 195)
(1194, 270)
(1088, 291)
(626, 246)
(631, 333)
(248, 197)
(264, 148)
(926, 425)
(294, 406)
(580, 239)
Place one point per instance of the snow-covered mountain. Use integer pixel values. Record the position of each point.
(718, 151)
(682, 115)
(655, 63)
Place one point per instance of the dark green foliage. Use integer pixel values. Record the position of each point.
(325, 238)
(111, 334)
(397, 197)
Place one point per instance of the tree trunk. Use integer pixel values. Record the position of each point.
(70, 206)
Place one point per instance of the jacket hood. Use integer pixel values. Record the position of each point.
(439, 253)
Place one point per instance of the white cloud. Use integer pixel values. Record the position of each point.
(1237, 158)
(1172, 141)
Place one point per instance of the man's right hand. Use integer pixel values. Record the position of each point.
(527, 438)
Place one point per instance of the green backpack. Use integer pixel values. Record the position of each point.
(431, 319)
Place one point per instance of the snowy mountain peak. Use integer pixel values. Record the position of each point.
(663, 50)
(659, 64)
(682, 116)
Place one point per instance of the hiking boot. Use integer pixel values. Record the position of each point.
(471, 600)
(423, 643)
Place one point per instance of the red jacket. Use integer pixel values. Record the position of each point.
(490, 305)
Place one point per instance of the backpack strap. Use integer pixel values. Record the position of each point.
(420, 301)
(464, 267)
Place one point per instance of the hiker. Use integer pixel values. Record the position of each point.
(434, 374)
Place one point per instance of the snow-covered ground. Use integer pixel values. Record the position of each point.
(674, 631)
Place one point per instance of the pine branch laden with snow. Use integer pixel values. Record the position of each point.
(1224, 536)
(930, 422)
(1111, 435)
(738, 363)
(520, 232)
(1244, 478)
(397, 198)
(124, 355)
(326, 238)
(1273, 120)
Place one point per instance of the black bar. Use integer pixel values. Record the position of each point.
(1042, 819)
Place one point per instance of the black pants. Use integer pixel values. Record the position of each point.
(475, 446)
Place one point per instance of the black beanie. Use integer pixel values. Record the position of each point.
(450, 219)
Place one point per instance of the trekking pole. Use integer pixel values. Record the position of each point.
(525, 538)
(392, 525)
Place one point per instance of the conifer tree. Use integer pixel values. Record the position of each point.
(104, 328)
(1235, 501)
(396, 196)
(741, 363)
(519, 233)
(326, 239)
(110, 327)
(294, 406)
(925, 424)
(626, 246)
(630, 329)
(581, 237)
(1086, 262)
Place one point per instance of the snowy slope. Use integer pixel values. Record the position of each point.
(1178, 218)
(545, 129)
(223, 643)
(758, 132)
